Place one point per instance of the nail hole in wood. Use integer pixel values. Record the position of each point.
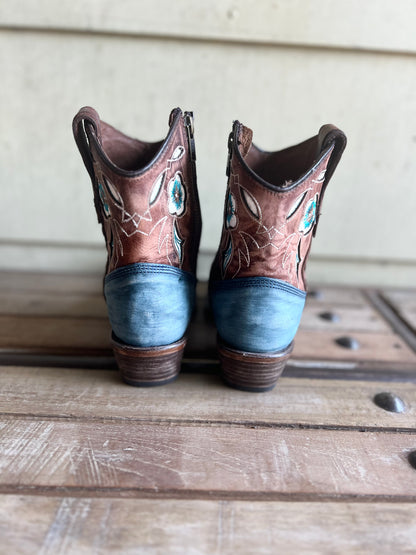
(329, 316)
(390, 402)
(411, 457)
(347, 342)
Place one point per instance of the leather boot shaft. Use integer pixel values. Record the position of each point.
(272, 205)
(145, 193)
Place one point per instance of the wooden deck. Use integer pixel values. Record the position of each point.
(90, 465)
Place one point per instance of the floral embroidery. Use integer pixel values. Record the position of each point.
(104, 201)
(321, 177)
(296, 204)
(177, 153)
(298, 259)
(309, 216)
(157, 187)
(251, 203)
(178, 242)
(176, 195)
(288, 237)
(122, 222)
(230, 212)
(226, 254)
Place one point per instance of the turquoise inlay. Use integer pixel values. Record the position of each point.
(226, 256)
(309, 217)
(104, 200)
(176, 192)
(230, 213)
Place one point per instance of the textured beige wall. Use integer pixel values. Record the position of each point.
(282, 67)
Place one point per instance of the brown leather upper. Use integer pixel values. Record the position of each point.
(145, 193)
(272, 205)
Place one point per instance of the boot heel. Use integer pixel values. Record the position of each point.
(149, 366)
(254, 372)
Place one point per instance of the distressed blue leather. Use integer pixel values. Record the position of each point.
(149, 304)
(257, 314)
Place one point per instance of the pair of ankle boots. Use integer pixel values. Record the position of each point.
(147, 202)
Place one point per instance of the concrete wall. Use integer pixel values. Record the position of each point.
(282, 67)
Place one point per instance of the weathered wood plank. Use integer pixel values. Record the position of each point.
(383, 348)
(50, 525)
(74, 322)
(201, 398)
(91, 284)
(77, 336)
(54, 334)
(345, 318)
(43, 285)
(24, 303)
(52, 284)
(404, 303)
(322, 295)
(134, 459)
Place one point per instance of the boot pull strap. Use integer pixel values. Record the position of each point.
(329, 135)
(86, 121)
(87, 124)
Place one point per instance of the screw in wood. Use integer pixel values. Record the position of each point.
(316, 294)
(347, 342)
(329, 316)
(411, 457)
(389, 401)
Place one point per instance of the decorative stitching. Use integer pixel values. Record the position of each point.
(111, 197)
(273, 237)
(226, 254)
(147, 268)
(230, 219)
(178, 242)
(257, 282)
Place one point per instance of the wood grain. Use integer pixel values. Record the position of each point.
(42, 304)
(324, 295)
(135, 459)
(71, 526)
(349, 318)
(404, 303)
(77, 336)
(150, 470)
(55, 334)
(53, 284)
(201, 398)
(380, 348)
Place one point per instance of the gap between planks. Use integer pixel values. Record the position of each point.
(151, 494)
(194, 422)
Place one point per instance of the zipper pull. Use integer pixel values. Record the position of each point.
(189, 124)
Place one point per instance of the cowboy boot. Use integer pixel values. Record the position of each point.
(147, 203)
(257, 282)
